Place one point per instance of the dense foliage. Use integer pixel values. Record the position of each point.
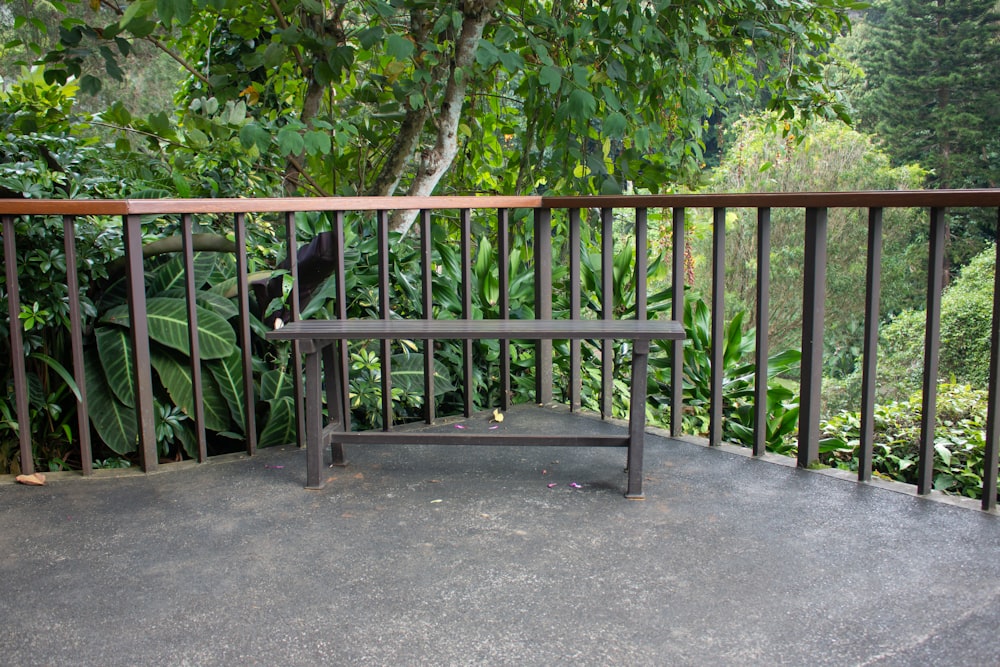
(959, 440)
(826, 157)
(470, 95)
(932, 89)
(966, 321)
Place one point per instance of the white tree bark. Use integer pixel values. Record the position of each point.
(435, 161)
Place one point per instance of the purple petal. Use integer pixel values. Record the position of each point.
(493, 428)
(551, 486)
(574, 485)
(459, 426)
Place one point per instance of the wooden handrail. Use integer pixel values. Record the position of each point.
(862, 199)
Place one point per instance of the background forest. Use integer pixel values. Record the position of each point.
(215, 98)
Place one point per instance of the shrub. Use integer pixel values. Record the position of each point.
(959, 440)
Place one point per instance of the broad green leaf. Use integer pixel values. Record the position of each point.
(615, 125)
(188, 440)
(218, 304)
(115, 351)
(114, 422)
(317, 143)
(253, 134)
(174, 372)
(511, 61)
(733, 345)
(290, 142)
(137, 10)
(90, 84)
(943, 452)
(198, 138)
(228, 374)
(408, 375)
(182, 11)
(171, 274)
(369, 37)
(484, 256)
(60, 370)
(168, 325)
(581, 105)
(550, 77)
(487, 54)
(276, 384)
(398, 47)
(490, 288)
(281, 423)
(783, 361)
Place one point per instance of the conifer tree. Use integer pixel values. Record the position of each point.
(932, 86)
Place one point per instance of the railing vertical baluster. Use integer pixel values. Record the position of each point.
(466, 245)
(503, 270)
(341, 346)
(384, 308)
(932, 348)
(990, 462)
(340, 267)
(246, 342)
(575, 295)
(718, 324)
(427, 298)
(813, 313)
(136, 283)
(762, 350)
(76, 344)
(292, 253)
(198, 407)
(543, 302)
(873, 297)
(607, 308)
(641, 263)
(679, 271)
(17, 346)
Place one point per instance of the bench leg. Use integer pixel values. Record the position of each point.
(637, 419)
(314, 422)
(334, 400)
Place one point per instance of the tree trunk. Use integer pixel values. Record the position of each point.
(437, 160)
(408, 138)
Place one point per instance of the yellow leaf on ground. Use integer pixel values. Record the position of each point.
(37, 479)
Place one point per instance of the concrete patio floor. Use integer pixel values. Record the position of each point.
(464, 556)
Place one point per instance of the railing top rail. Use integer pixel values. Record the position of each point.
(256, 205)
(861, 199)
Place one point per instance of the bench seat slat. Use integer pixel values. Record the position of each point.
(334, 434)
(372, 329)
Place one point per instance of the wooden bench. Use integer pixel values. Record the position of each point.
(317, 336)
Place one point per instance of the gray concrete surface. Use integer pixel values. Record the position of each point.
(465, 556)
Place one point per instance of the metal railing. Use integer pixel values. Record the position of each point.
(541, 209)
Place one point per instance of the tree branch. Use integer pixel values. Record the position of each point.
(436, 161)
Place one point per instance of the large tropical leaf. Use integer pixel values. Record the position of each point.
(171, 274)
(168, 325)
(174, 372)
(280, 428)
(114, 422)
(228, 374)
(115, 351)
(218, 304)
(276, 384)
(408, 375)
